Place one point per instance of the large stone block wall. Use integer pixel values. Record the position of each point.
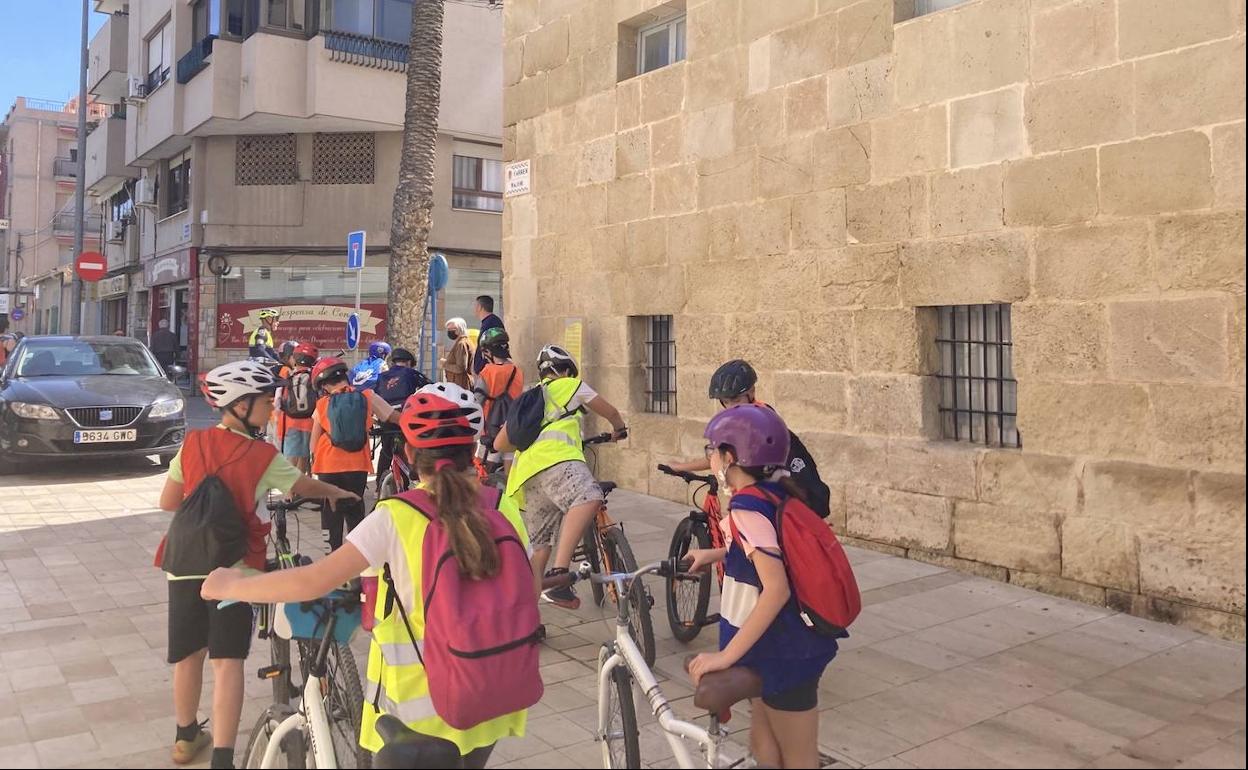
(815, 175)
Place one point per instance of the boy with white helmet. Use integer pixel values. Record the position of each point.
(551, 475)
(234, 452)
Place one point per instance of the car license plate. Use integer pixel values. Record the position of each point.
(108, 436)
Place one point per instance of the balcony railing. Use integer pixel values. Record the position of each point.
(366, 51)
(195, 60)
(64, 223)
(65, 167)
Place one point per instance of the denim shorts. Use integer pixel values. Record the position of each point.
(298, 443)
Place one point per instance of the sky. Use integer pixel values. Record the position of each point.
(39, 49)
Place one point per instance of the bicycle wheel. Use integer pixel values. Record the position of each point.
(293, 754)
(618, 555)
(688, 595)
(589, 552)
(387, 488)
(344, 707)
(620, 741)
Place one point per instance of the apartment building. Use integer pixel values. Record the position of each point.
(38, 173)
(987, 256)
(249, 137)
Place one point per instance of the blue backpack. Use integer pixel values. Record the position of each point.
(348, 420)
(396, 385)
(364, 374)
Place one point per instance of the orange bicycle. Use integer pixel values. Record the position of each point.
(689, 594)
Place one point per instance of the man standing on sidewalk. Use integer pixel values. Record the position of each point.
(485, 313)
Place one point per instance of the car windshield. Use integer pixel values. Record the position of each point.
(76, 358)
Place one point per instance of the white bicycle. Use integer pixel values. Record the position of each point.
(315, 731)
(621, 665)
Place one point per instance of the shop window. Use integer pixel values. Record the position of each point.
(265, 159)
(978, 392)
(382, 19)
(302, 285)
(343, 158)
(477, 184)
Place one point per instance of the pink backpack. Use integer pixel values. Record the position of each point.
(481, 636)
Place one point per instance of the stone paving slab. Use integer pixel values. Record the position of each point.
(942, 670)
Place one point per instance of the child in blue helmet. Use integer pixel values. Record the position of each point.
(364, 374)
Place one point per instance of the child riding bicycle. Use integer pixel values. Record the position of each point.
(440, 424)
(551, 476)
(234, 452)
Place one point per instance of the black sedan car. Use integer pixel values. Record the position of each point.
(73, 397)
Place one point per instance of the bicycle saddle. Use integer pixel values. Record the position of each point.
(607, 487)
(406, 748)
(719, 690)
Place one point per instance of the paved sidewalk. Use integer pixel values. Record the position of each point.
(942, 670)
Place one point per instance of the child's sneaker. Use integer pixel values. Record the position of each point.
(186, 749)
(561, 597)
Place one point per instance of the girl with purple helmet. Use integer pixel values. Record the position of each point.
(759, 627)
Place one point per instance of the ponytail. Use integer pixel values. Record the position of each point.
(456, 491)
(786, 483)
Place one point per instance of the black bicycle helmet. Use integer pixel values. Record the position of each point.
(287, 348)
(495, 340)
(732, 380)
(401, 354)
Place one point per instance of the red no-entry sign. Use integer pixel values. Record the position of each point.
(91, 266)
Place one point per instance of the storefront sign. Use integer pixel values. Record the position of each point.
(322, 325)
(4, 304)
(170, 268)
(517, 179)
(111, 287)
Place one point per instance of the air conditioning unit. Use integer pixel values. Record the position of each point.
(116, 231)
(145, 192)
(137, 91)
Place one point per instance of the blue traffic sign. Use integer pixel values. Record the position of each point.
(17, 314)
(439, 273)
(353, 331)
(355, 249)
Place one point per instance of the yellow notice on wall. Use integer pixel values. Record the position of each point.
(573, 333)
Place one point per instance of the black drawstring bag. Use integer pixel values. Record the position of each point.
(207, 531)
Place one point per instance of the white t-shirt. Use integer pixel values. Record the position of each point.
(581, 398)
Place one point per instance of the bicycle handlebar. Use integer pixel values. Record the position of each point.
(290, 505)
(689, 477)
(665, 569)
(605, 438)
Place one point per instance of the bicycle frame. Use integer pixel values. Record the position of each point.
(310, 718)
(623, 651)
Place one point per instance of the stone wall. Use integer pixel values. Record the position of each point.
(815, 176)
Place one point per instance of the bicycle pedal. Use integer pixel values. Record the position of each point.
(272, 672)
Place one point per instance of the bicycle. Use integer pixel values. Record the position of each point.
(605, 548)
(621, 664)
(342, 690)
(289, 732)
(398, 476)
(688, 594)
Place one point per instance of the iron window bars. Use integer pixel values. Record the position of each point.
(660, 365)
(978, 392)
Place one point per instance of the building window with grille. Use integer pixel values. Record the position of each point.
(660, 365)
(261, 159)
(477, 184)
(343, 158)
(178, 185)
(978, 392)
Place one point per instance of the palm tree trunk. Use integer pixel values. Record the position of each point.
(413, 197)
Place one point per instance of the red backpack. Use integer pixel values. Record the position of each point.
(481, 636)
(819, 572)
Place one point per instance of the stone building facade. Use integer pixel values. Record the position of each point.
(822, 186)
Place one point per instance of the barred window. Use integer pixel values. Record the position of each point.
(343, 158)
(265, 159)
(978, 392)
(660, 365)
(477, 184)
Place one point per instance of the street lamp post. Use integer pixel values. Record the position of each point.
(80, 191)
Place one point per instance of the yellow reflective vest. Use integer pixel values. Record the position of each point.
(396, 682)
(559, 441)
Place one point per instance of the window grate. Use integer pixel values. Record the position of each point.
(660, 365)
(265, 159)
(343, 158)
(978, 392)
